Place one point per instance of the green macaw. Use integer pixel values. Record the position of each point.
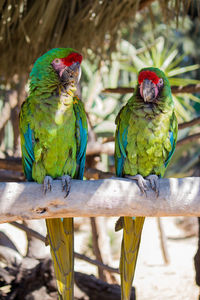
(53, 129)
(145, 141)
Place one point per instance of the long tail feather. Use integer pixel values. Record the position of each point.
(61, 240)
(129, 251)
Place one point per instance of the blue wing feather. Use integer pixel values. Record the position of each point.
(173, 144)
(81, 136)
(28, 153)
(82, 151)
(122, 142)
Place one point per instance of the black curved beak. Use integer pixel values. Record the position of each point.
(75, 66)
(148, 89)
(73, 72)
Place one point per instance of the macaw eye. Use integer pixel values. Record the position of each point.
(57, 61)
(160, 82)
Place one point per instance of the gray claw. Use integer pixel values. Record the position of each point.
(47, 184)
(66, 184)
(153, 179)
(141, 182)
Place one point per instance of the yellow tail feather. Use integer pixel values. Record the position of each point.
(132, 230)
(61, 240)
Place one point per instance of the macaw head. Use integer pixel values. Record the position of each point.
(57, 67)
(151, 83)
(68, 68)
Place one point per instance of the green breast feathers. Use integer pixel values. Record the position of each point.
(146, 133)
(54, 137)
(148, 141)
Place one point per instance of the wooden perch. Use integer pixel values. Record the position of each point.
(108, 197)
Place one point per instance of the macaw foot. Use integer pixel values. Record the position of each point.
(47, 184)
(66, 184)
(141, 182)
(153, 179)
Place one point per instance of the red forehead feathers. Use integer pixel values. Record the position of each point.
(72, 58)
(148, 75)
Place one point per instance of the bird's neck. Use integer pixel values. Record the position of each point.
(67, 94)
(164, 103)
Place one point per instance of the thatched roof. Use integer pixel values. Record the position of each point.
(28, 28)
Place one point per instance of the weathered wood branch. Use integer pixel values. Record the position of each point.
(12, 164)
(191, 88)
(108, 197)
(96, 248)
(193, 122)
(188, 139)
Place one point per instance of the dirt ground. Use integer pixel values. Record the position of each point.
(154, 279)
